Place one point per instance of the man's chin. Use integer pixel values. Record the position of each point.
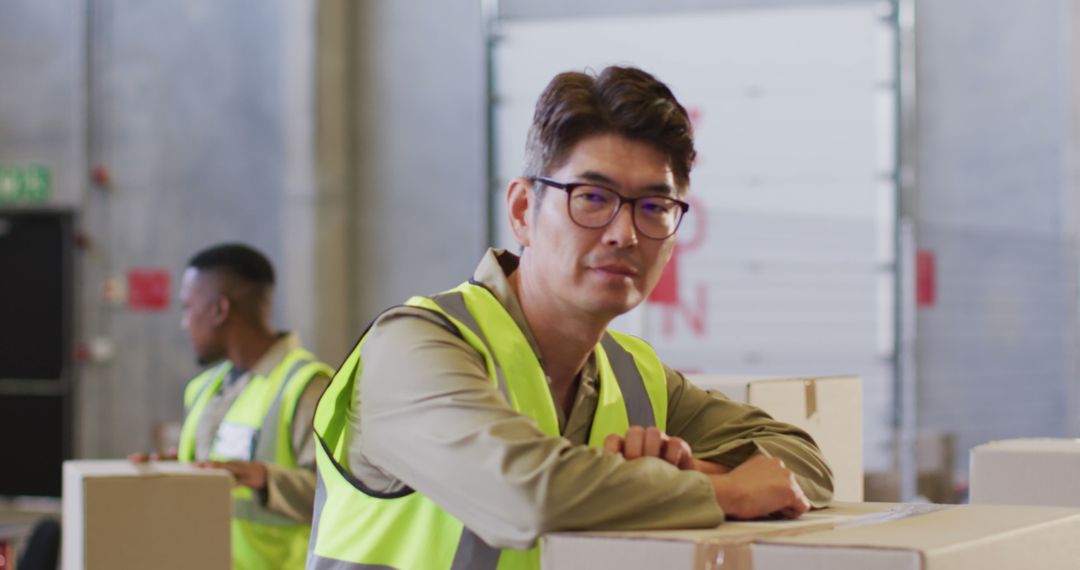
(613, 307)
(207, 360)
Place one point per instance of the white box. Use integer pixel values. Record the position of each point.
(830, 409)
(1026, 472)
(164, 516)
(966, 537)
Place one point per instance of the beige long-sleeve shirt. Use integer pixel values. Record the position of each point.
(429, 418)
(290, 492)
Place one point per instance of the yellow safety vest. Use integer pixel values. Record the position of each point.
(261, 539)
(357, 528)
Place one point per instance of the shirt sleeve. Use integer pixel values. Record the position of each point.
(430, 417)
(291, 492)
(721, 430)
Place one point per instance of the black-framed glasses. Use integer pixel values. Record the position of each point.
(593, 206)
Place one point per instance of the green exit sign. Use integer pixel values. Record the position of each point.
(24, 184)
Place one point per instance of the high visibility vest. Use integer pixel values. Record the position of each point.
(262, 417)
(356, 528)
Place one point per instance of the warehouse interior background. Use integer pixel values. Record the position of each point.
(886, 189)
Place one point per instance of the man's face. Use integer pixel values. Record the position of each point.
(604, 271)
(202, 315)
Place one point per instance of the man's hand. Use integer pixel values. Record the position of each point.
(169, 455)
(761, 487)
(249, 474)
(651, 442)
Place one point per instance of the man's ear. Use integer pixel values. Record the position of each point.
(219, 312)
(520, 198)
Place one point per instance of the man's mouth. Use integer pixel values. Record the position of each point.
(617, 269)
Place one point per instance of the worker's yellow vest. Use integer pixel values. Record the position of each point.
(357, 528)
(261, 539)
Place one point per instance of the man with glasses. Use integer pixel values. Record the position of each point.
(466, 424)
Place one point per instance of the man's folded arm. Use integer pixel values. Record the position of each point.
(430, 417)
(728, 432)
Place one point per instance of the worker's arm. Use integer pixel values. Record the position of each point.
(430, 418)
(729, 433)
(758, 486)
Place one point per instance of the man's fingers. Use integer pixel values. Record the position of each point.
(674, 453)
(651, 442)
(794, 511)
(634, 445)
(138, 458)
(679, 454)
(654, 441)
(216, 465)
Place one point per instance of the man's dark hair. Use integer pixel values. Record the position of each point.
(624, 101)
(237, 260)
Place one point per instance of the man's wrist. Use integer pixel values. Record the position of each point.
(727, 493)
(263, 478)
(710, 468)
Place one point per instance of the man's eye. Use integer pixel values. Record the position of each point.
(593, 195)
(656, 207)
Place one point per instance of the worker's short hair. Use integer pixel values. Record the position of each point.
(623, 101)
(238, 260)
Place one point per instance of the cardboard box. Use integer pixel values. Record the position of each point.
(165, 516)
(966, 537)
(830, 409)
(1026, 472)
(934, 468)
(848, 536)
(726, 547)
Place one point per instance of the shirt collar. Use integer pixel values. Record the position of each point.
(493, 273)
(286, 342)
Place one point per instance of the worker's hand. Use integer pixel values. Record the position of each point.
(251, 474)
(760, 487)
(169, 455)
(651, 442)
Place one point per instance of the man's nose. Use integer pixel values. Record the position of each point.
(621, 231)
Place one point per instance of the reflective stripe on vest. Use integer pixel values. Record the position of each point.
(196, 396)
(356, 528)
(267, 404)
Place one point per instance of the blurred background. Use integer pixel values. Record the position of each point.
(884, 188)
